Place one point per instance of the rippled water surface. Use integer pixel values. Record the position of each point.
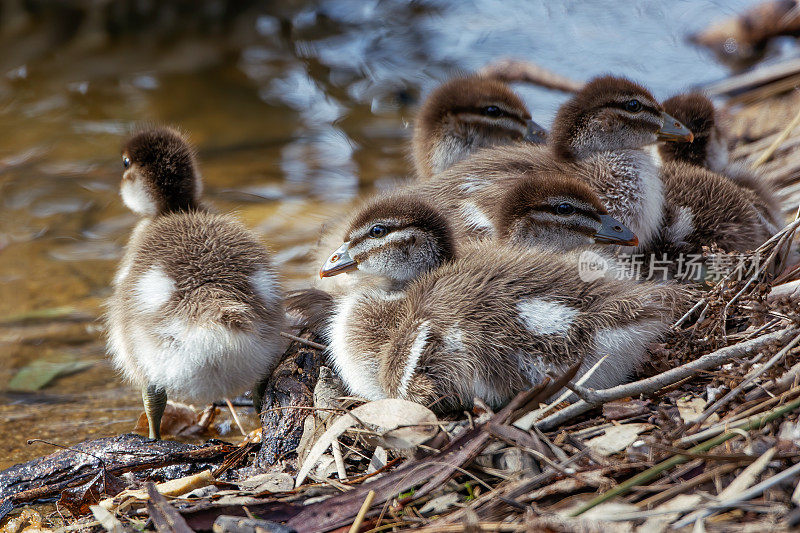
(296, 110)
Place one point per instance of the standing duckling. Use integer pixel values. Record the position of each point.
(486, 321)
(196, 310)
(464, 115)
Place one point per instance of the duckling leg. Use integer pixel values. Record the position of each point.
(155, 401)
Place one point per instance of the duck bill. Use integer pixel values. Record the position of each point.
(339, 262)
(535, 133)
(673, 130)
(612, 231)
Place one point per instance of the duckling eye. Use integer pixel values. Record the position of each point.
(633, 106)
(377, 231)
(126, 161)
(565, 209)
(493, 111)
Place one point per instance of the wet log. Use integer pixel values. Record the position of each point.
(46, 477)
(286, 397)
(743, 39)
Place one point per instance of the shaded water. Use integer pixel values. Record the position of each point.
(296, 110)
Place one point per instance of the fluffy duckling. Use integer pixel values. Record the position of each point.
(704, 208)
(606, 127)
(525, 200)
(487, 323)
(598, 136)
(466, 114)
(710, 150)
(196, 310)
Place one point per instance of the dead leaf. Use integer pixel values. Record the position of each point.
(107, 520)
(270, 482)
(440, 504)
(690, 409)
(617, 438)
(78, 500)
(397, 423)
(659, 523)
(571, 484)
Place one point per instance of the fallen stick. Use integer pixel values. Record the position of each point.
(663, 466)
(592, 398)
(766, 154)
(752, 492)
(749, 379)
(518, 70)
(165, 518)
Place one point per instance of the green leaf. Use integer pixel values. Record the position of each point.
(38, 374)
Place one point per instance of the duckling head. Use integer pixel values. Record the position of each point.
(397, 237)
(555, 210)
(612, 113)
(160, 173)
(709, 148)
(465, 114)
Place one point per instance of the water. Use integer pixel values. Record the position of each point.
(296, 110)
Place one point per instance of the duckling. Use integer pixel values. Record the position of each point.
(705, 208)
(485, 322)
(598, 136)
(465, 114)
(196, 309)
(528, 203)
(606, 127)
(710, 150)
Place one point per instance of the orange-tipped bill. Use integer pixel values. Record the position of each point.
(339, 262)
(613, 231)
(674, 130)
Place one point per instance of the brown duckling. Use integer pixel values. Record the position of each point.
(527, 201)
(196, 310)
(465, 114)
(486, 322)
(710, 150)
(704, 208)
(598, 136)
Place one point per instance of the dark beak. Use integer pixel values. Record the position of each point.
(674, 130)
(339, 262)
(612, 231)
(535, 133)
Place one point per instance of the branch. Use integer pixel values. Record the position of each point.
(593, 398)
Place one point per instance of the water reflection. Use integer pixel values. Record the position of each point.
(296, 109)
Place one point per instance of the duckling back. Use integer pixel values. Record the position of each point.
(496, 320)
(196, 308)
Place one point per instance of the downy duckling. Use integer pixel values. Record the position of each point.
(599, 136)
(530, 204)
(710, 150)
(196, 310)
(606, 128)
(465, 114)
(704, 208)
(488, 322)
